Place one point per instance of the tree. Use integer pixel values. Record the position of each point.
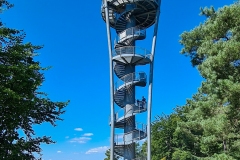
(141, 150)
(162, 137)
(22, 105)
(116, 157)
(208, 126)
(212, 125)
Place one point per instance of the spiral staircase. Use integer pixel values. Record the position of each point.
(130, 19)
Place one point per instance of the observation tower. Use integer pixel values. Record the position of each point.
(130, 19)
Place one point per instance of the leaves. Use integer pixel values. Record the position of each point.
(21, 103)
(208, 125)
(163, 140)
(116, 157)
(214, 47)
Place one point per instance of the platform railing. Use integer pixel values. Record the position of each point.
(131, 50)
(133, 32)
(138, 76)
(140, 130)
(138, 108)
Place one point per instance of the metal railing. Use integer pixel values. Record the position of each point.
(130, 32)
(137, 108)
(139, 133)
(118, 139)
(131, 50)
(141, 106)
(139, 76)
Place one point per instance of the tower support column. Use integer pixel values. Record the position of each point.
(111, 80)
(149, 117)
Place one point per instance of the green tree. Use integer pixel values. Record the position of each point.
(212, 125)
(22, 105)
(116, 157)
(163, 142)
(140, 151)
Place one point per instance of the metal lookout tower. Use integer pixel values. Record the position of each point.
(130, 19)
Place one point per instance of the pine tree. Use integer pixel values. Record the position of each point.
(107, 154)
(163, 142)
(211, 129)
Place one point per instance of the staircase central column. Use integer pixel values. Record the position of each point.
(129, 152)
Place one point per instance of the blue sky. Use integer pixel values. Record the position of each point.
(75, 45)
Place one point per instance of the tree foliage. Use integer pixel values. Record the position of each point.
(141, 151)
(163, 136)
(212, 115)
(208, 125)
(107, 154)
(22, 105)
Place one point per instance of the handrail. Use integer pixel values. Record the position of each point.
(131, 50)
(122, 112)
(140, 127)
(133, 31)
(136, 27)
(138, 76)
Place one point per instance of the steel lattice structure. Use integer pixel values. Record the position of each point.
(130, 19)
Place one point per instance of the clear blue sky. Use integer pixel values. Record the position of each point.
(75, 45)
